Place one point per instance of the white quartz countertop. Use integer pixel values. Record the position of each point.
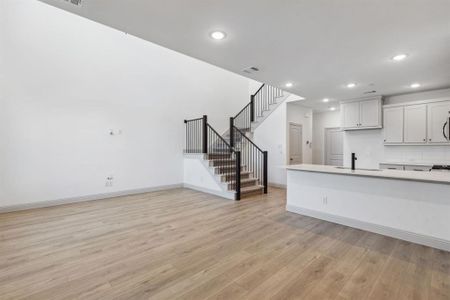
(414, 163)
(431, 177)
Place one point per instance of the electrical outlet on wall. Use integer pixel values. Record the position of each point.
(109, 181)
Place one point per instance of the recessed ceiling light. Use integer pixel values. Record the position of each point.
(218, 35)
(332, 108)
(400, 57)
(326, 100)
(415, 85)
(351, 85)
(289, 84)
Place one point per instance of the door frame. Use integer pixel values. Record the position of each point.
(324, 155)
(288, 162)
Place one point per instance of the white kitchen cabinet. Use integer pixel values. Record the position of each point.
(370, 113)
(438, 118)
(350, 114)
(361, 114)
(415, 124)
(393, 125)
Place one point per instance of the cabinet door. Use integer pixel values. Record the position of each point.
(393, 125)
(370, 113)
(350, 115)
(415, 124)
(438, 115)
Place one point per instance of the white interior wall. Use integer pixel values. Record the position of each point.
(66, 81)
(321, 121)
(272, 135)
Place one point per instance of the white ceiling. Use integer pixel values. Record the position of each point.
(319, 45)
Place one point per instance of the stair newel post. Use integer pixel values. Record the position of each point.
(252, 108)
(238, 175)
(231, 132)
(205, 134)
(265, 171)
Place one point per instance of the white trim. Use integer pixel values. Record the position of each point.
(223, 194)
(368, 98)
(380, 229)
(428, 101)
(277, 185)
(63, 201)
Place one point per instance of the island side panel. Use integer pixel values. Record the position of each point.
(410, 210)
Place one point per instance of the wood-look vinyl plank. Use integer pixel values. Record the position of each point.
(184, 244)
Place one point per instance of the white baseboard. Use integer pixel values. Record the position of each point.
(277, 185)
(380, 229)
(49, 203)
(223, 194)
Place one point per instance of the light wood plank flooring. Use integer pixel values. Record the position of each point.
(183, 244)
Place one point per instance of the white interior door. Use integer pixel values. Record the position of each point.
(334, 147)
(295, 144)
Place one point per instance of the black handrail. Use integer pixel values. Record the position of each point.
(259, 103)
(242, 110)
(252, 156)
(201, 137)
(260, 88)
(250, 141)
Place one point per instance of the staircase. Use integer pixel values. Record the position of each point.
(235, 162)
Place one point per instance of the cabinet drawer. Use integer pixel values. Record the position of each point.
(391, 167)
(418, 168)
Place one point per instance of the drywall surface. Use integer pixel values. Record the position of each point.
(321, 121)
(272, 135)
(67, 82)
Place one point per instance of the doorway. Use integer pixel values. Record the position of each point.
(334, 147)
(295, 144)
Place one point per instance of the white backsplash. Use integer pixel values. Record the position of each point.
(370, 150)
(429, 154)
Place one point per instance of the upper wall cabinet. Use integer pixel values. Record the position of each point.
(438, 122)
(393, 125)
(361, 114)
(415, 127)
(417, 123)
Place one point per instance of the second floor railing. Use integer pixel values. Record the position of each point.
(260, 101)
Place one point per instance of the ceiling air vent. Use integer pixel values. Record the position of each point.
(74, 2)
(250, 70)
(370, 92)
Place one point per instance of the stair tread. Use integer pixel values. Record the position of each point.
(249, 179)
(232, 173)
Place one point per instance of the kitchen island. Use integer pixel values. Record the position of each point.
(409, 205)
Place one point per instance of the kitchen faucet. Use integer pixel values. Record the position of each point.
(354, 158)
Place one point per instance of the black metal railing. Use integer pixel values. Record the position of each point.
(226, 160)
(202, 138)
(259, 103)
(195, 136)
(252, 156)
